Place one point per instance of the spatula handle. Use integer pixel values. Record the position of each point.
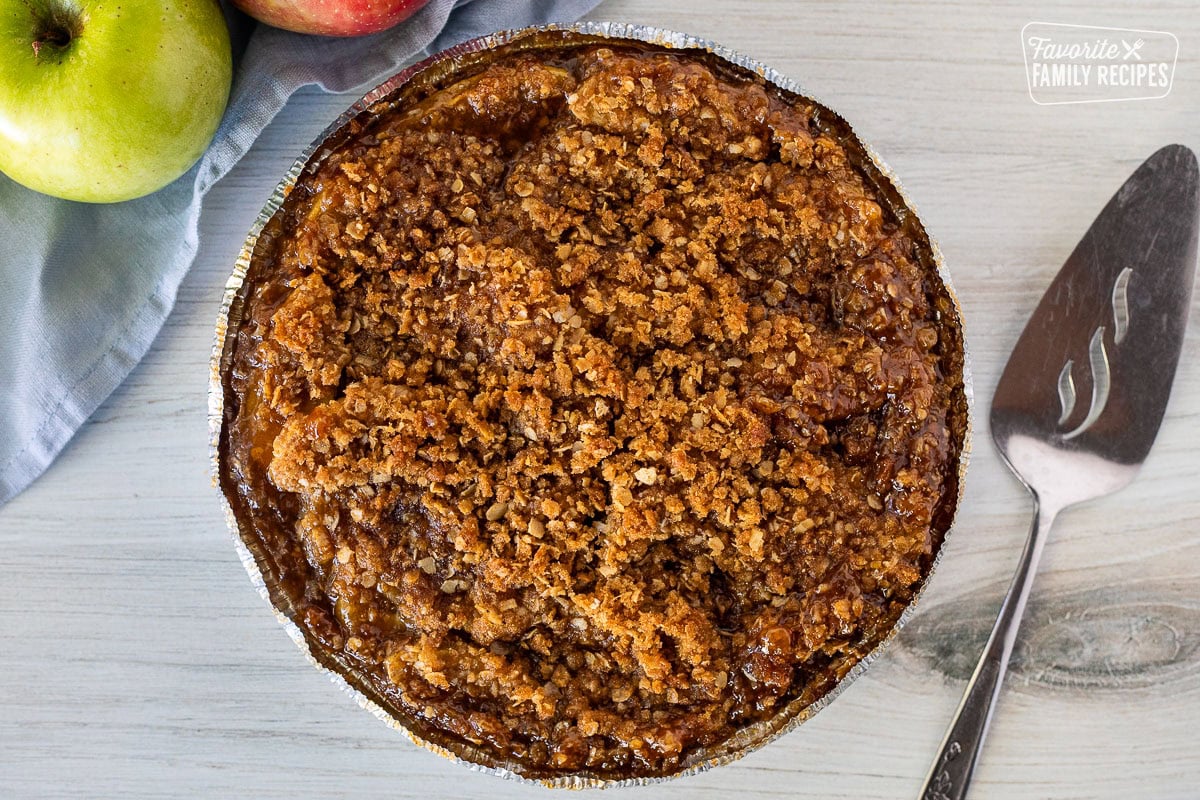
(951, 771)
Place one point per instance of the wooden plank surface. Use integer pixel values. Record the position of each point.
(135, 659)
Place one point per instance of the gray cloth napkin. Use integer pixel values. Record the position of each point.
(84, 289)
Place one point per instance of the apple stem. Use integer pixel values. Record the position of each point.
(54, 27)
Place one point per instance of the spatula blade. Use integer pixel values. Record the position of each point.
(1094, 366)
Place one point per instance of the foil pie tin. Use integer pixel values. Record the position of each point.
(437, 69)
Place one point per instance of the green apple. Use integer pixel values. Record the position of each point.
(107, 100)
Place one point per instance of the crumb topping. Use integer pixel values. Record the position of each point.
(596, 409)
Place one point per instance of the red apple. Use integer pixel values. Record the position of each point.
(331, 17)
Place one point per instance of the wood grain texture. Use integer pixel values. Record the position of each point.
(135, 659)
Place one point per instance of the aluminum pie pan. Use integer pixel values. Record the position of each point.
(429, 72)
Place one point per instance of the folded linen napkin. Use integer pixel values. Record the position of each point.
(84, 288)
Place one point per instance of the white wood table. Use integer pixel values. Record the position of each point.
(136, 660)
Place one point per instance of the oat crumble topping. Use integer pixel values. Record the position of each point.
(594, 408)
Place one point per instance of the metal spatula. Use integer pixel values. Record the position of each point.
(1083, 394)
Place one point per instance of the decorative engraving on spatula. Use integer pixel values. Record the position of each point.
(1097, 361)
(943, 784)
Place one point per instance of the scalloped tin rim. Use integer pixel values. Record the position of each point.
(744, 741)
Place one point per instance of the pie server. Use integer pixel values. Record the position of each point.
(1082, 397)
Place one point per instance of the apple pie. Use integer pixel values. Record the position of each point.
(591, 405)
